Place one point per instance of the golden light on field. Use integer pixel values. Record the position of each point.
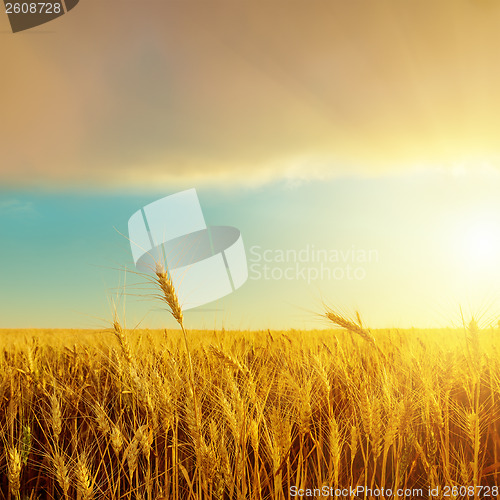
(263, 413)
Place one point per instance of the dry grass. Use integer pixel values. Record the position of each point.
(113, 415)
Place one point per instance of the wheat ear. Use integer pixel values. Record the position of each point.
(343, 322)
(169, 293)
(83, 478)
(61, 473)
(122, 339)
(14, 471)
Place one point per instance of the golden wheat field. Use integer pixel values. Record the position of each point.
(274, 415)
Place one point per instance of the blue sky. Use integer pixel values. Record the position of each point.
(64, 254)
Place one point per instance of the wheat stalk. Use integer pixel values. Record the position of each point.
(169, 295)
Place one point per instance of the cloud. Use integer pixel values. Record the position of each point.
(249, 92)
(14, 206)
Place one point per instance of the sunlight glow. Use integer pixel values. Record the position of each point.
(481, 244)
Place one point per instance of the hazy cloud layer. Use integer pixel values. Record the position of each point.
(15, 206)
(122, 92)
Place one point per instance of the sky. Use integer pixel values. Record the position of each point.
(329, 125)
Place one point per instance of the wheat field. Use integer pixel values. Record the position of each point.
(112, 414)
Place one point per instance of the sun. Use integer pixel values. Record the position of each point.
(481, 244)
